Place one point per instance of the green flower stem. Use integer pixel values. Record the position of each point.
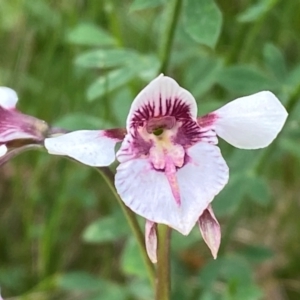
(258, 167)
(169, 35)
(163, 263)
(108, 176)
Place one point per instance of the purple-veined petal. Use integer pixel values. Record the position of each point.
(210, 230)
(91, 147)
(151, 240)
(8, 98)
(15, 126)
(250, 122)
(3, 150)
(162, 97)
(148, 193)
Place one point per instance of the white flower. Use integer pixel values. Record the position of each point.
(170, 167)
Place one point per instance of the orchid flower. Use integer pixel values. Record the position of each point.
(170, 166)
(18, 132)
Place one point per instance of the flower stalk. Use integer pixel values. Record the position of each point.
(163, 281)
(163, 263)
(108, 176)
(169, 36)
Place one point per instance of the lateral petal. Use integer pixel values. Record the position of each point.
(148, 193)
(250, 122)
(91, 147)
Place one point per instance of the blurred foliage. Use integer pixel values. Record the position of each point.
(79, 64)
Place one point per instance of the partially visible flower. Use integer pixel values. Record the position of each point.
(170, 167)
(17, 131)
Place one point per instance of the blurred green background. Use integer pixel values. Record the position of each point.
(79, 64)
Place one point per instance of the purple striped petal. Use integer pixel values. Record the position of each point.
(162, 97)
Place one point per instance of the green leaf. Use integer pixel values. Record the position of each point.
(78, 281)
(147, 67)
(275, 61)
(90, 35)
(144, 66)
(97, 287)
(42, 14)
(256, 254)
(256, 11)
(231, 196)
(78, 121)
(246, 292)
(244, 80)
(132, 261)
(209, 295)
(113, 80)
(140, 289)
(144, 4)
(291, 146)
(231, 268)
(121, 104)
(203, 21)
(202, 75)
(181, 242)
(258, 190)
(106, 229)
(110, 291)
(293, 78)
(105, 58)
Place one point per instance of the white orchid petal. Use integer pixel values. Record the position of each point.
(90, 147)
(8, 98)
(162, 97)
(148, 193)
(210, 230)
(151, 240)
(250, 122)
(3, 150)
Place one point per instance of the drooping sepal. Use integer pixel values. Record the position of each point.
(151, 240)
(210, 230)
